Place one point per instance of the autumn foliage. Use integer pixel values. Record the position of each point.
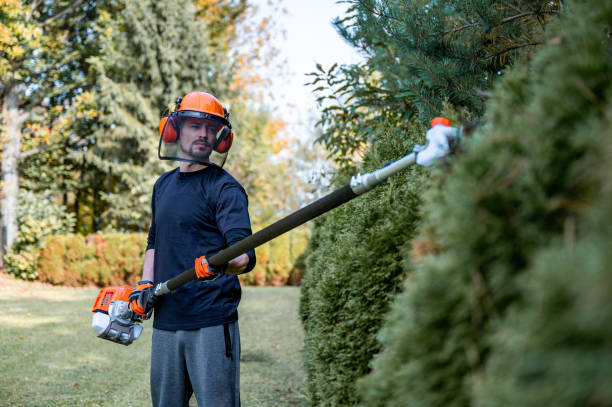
(95, 259)
(104, 259)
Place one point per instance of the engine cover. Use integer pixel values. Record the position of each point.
(113, 319)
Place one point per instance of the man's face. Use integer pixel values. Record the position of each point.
(197, 138)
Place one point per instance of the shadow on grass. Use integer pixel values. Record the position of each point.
(257, 357)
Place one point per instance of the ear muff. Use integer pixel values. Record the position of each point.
(224, 140)
(168, 129)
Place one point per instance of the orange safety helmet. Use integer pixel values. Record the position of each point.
(201, 110)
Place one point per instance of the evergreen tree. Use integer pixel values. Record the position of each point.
(153, 52)
(420, 54)
(354, 268)
(419, 57)
(508, 313)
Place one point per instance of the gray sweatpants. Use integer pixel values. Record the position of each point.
(205, 361)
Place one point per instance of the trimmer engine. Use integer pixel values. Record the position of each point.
(113, 319)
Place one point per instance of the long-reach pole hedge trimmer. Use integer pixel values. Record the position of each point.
(114, 320)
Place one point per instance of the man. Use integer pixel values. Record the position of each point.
(198, 210)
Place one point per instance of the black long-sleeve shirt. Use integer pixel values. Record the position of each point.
(194, 214)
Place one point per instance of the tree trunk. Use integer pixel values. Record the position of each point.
(13, 121)
(76, 211)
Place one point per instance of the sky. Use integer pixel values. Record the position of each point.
(309, 38)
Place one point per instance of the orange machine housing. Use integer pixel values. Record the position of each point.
(110, 294)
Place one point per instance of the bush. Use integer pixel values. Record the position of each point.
(22, 265)
(555, 348)
(38, 216)
(116, 258)
(354, 268)
(499, 317)
(100, 259)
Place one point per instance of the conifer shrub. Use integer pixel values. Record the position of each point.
(513, 311)
(420, 55)
(555, 348)
(354, 268)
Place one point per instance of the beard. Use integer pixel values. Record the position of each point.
(198, 151)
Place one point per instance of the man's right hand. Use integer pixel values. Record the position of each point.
(142, 299)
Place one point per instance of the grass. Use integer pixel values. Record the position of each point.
(50, 356)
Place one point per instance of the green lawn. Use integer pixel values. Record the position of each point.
(50, 356)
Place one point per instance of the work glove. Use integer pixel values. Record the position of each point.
(142, 300)
(439, 139)
(207, 272)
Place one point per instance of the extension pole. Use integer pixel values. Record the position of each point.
(359, 184)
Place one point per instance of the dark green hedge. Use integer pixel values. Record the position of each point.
(355, 265)
(514, 309)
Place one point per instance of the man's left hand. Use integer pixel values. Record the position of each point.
(207, 272)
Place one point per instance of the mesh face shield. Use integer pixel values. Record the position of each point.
(195, 137)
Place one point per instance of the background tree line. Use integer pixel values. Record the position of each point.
(83, 85)
(483, 281)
